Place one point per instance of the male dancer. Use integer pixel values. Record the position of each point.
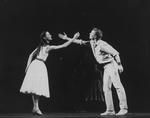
(105, 54)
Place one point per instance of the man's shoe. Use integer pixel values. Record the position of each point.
(122, 112)
(108, 113)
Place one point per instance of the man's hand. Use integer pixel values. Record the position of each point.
(120, 68)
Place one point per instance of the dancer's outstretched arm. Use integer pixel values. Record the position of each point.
(54, 47)
(77, 41)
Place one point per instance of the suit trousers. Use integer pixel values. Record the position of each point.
(111, 77)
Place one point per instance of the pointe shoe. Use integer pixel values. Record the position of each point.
(36, 113)
(108, 113)
(122, 112)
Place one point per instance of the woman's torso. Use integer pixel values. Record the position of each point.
(43, 54)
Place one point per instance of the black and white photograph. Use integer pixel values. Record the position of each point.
(74, 58)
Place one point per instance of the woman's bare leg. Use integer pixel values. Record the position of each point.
(35, 99)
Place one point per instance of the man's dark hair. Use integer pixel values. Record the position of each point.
(98, 33)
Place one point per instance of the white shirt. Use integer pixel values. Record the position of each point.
(102, 51)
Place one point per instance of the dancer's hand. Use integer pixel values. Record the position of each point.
(76, 35)
(63, 36)
(26, 69)
(120, 68)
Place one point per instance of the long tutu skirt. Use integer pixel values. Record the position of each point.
(36, 79)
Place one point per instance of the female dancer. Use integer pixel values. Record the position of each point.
(36, 78)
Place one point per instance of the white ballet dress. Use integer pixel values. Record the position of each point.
(36, 79)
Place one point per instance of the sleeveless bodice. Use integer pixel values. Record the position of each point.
(43, 54)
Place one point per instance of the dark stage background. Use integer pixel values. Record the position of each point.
(126, 26)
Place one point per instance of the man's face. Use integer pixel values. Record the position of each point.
(92, 34)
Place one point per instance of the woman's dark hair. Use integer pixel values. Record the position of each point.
(43, 39)
(98, 33)
(42, 42)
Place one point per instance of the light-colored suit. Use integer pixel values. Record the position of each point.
(104, 54)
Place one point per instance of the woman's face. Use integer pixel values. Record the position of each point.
(48, 36)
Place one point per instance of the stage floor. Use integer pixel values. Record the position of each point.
(74, 115)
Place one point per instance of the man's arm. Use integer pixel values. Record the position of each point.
(109, 49)
(117, 58)
(77, 41)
